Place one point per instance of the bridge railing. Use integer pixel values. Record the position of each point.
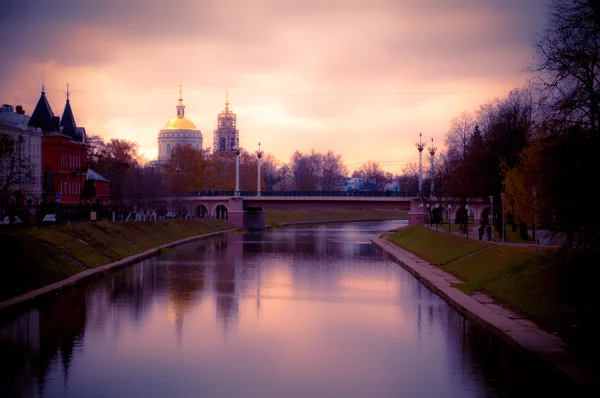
(305, 193)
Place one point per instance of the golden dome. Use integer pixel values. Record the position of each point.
(178, 123)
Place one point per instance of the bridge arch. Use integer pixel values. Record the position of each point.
(221, 211)
(202, 211)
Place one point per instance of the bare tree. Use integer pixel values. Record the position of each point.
(458, 141)
(12, 171)
(569, 61)
(373, 171)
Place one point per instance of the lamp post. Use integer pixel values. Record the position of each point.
(448, 214)
(535, 218)
(420, 207)
(259, 155)
(437, 224)
(502, 204)
(152, 168)
(492, 215)
(236, 152)
(428, 213)
(177, 170)
(467, 219)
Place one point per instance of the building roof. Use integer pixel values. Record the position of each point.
(43, 117)
(93, 176)
(180, 123)
(67, 122)
(8, 114)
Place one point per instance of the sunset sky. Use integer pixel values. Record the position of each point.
(360, 77)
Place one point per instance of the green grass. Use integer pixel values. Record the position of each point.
(276, 218)
(437, 248)
(553, 288)
(39, 256)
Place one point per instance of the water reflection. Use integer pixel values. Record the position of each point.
(295, 313)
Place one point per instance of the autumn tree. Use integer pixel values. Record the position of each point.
(557, 165)
(188, 170)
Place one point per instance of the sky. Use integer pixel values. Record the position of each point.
(360, 77)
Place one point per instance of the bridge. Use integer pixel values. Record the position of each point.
(247, 209)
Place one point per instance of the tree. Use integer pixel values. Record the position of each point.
(96, 149)
(10, 170)
(409, 181)
(557, 164)
(458, 141)
(269, 173)
(188, 170)
(372, 171)
(569, 62)
(305, 170)
(334, 170)
(116, 162)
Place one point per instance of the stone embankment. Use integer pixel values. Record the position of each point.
(520, 333)
(88, 274)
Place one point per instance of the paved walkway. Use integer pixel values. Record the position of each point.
(474, 235)
(481, 309)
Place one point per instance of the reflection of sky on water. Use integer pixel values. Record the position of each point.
(292, 312)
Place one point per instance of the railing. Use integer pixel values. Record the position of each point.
(305, 193)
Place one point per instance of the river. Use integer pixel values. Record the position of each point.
(312, 311)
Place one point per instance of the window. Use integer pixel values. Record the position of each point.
(168, 149)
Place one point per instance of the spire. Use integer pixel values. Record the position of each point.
(68, 121)
(226, 101)
(42, 115)
(180, 107)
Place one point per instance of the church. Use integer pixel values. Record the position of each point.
(226, 136)
(179, 131)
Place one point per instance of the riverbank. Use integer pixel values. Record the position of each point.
(503, 289)
(278, 218)
(37, 257)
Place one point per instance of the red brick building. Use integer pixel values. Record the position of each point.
(64, 153)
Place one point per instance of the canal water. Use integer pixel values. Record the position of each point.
(299, 312)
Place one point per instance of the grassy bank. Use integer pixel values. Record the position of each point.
(36, 257)
(276, 218)
(553, 288)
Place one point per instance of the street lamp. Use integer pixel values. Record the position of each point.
(467, 219)
(437, 224)
(259, 155)
(448, 214)
(492, 216)
(236, 151)
(177, 170)
(420, 207)
(535, 232)
(428, 213)
(502, 204)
